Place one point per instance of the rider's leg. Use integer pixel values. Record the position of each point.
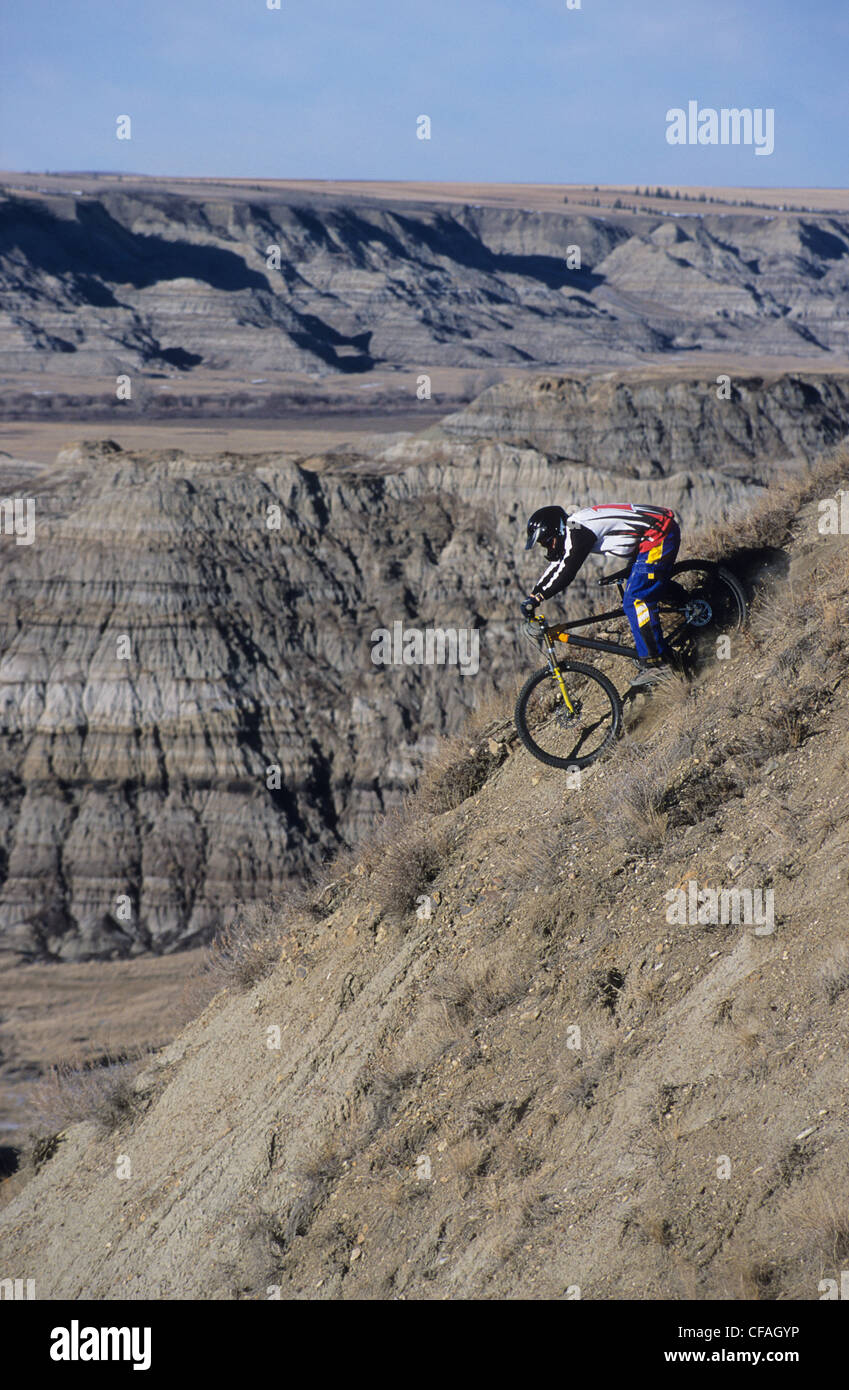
(646, 582)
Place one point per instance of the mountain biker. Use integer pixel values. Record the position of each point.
(646, 536)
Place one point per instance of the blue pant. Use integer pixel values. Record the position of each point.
(646, 582)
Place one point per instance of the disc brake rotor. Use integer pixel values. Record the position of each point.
(565, 717)
(697, 612)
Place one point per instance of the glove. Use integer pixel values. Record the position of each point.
(528, 607)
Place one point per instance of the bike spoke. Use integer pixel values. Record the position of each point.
(702, 603)
(571, 737)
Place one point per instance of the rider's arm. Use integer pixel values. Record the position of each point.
(579, 542)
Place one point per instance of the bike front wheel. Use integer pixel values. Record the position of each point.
(557, 736)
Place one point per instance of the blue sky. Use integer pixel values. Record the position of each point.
(528, 91)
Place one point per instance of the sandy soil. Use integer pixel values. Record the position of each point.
(40, 440)
(50, 1014)
(344, 412)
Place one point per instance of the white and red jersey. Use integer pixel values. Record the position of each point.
(614, 528)
(621, 528)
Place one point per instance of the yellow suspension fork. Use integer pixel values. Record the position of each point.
(554, 668)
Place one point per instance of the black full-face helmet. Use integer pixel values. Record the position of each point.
(547, 527)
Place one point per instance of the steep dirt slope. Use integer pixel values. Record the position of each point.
(545, 1087)
(246, 588)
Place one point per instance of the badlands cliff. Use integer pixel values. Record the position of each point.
(139, 279)
(189, 712)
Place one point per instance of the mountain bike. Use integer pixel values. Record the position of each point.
(569, 713)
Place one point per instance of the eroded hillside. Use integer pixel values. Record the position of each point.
(538, 1084)
(135, 279)
(189, 710)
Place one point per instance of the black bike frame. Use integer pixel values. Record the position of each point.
(596, 618)
(615, 648)
(596, 643)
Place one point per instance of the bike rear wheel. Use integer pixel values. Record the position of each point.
(557, 737)
(703, 600)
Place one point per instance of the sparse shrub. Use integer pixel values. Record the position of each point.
(481, 992)
(828, 605)
(66, 1095)
(607, 985)
(386, 1089)
(409, 866)
(261, 1250)
(457, 772)
(522, 1158)
(834, 972)
(433, 1032)
(631, 796)
(467, 1159)
(399, 1192)
(455, 993)
(40, 1150)
(539, 1208)
(793, 728)
(642, 996)
(651, 1226)
(750, 1037)
(463, 763)
(248, 948)
(770, 735)
(586, 1078)
(314, 1172)
(768, 524)
(751, 1277)
(821, 1216)
(320, 1164)
(792, 1162)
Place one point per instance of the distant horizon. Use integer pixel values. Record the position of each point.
(617, 186)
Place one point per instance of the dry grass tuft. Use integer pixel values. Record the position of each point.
(464, 762)
(631, 796)
(100, 1093)
(320, 1164)
(749, 1035)
(769, 523)
(480, 992)
(821, 1217)
(248, 948)
(457, 771)
(408, 868)
(467, 1160)
(834, 971)
(751, 1277)
(651, 1226)
(386, 1089)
